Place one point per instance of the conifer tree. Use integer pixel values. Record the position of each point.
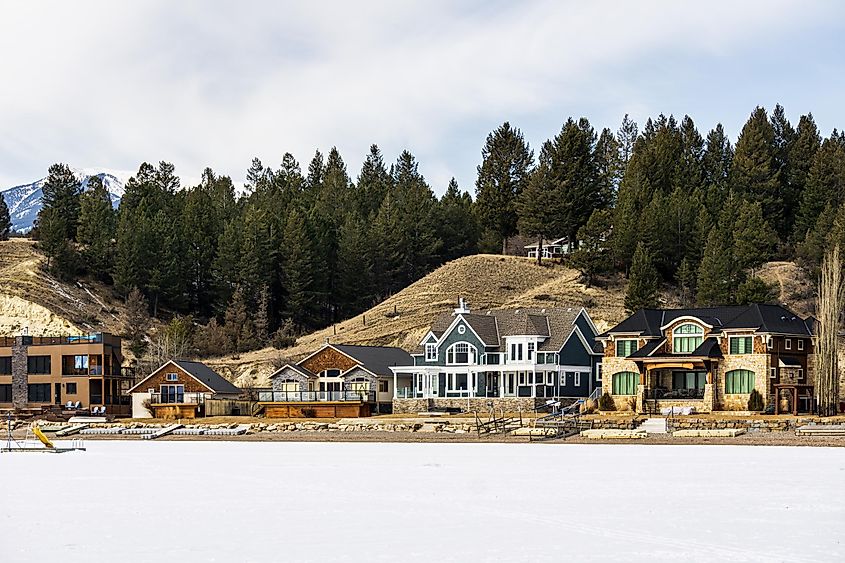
(609, 167)
(686, 279)
(60, 194)
(716, 275)
(643, 283)
(262, 317)
(298, 270)
(691, 164)
(716, 167)
(754, 171)
(540, 214)
(5, 220)
(458, 225)
(238, 326)
(825, 185)
(592, 257)
(137, 322)
(355, 269)
(626, 136)
(755, 242)
(506, 161)
(801, 154)
(52, 240)
(374, 182)
(97, 223)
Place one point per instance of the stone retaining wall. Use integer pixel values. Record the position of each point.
(473, 404)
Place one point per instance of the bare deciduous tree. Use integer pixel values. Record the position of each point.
(829, 300)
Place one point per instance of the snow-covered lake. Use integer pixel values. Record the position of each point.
(248, 501)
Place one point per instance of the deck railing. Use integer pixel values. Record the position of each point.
(675, 394)
(177, 398)
(314, 396)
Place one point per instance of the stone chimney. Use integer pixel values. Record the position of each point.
(20, 376)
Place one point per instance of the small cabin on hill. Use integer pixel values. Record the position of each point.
(180, 389)
(338, 380)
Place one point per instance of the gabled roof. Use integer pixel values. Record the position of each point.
(297, 368)
(376, 359)
(763, 318)
(554, 242)
(199, 371)
(648, 349)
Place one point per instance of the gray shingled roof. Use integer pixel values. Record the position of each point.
(377, 359)
(492, 325)
(208, 376)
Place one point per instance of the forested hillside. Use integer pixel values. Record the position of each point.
(660, 203)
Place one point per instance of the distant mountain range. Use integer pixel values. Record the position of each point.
(24, 201)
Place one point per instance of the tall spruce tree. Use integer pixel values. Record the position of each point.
(592, 257)
(643, 283)
(374, 182)
(506, 162)
(355, 269)
(96, 231)
(298, 270)
(755, 173)
(825, 184)
(626, 136)
(716, 274)
(755, 242)
(716, 167)
(459, 228)
(60, 194)
(540, 213)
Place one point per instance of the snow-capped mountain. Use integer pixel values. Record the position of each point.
(24, 201)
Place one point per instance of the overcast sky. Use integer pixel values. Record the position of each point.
(112, 84)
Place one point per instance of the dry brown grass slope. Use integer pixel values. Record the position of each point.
(32, 299)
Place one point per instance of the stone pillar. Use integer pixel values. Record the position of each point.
(641, 398)
(709, 404)
(20, 376)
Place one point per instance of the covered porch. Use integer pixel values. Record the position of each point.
(678, 383)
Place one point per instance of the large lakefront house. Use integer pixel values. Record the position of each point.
(514, 359)
(82, 371)
(336, 380)
(710, 359)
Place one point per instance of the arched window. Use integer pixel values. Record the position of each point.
(461, 353)
(686, 338)
(739, 381)
(625, 383)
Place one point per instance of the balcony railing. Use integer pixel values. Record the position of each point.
(675, 394)
(312, 396)
(177, 398)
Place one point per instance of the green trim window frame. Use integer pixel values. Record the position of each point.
(625, 383)
(686, 338)
(625, 347)
(741, 344)
(739, 382)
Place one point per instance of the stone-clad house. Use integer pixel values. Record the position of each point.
(513, 358)
(709, 359)
(336, 380)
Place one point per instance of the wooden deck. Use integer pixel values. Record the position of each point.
(316, 409)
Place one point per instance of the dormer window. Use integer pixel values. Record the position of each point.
(431, 352)
(686, 338)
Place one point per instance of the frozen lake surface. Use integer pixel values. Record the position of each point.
(249, 501)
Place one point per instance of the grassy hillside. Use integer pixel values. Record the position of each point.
(30, 298)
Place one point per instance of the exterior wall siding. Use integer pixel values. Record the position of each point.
(328, 358)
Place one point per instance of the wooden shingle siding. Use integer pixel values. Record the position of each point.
(191, 384)
(328, 358)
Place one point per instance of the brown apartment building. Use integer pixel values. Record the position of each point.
(37, 372)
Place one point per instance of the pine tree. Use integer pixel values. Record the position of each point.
(691, 164)
(686, 279)
(716, 275)
(539, 214)
(609, 167)
(755, 242)
(716, 167)
(627, 136)
(374, 182)
(643, 283)
(97, 225)
(298, 270)
(238, 327)
(5, 220)
(52, 240)
(755, 290)
(754, 172)
(355, 270)
(137, 322)
(592, 256)
(262, 317)
(801, 154)
(459, 228)
(825, 185)
(60, 194)
(502, 175)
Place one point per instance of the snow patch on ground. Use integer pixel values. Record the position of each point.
(248, 501)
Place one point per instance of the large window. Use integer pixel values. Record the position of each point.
(5, 393)
(38, 365)
(686, 338)
(461, 353)
(6, 365)
(625, 383)
(172, 393)
(38, 393)
(625, 348)
(688, 380)
(431, 352)
(739, 381)
(741, 344)
(530, 351)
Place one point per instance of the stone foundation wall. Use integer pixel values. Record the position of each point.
(759, 364)
(474, 404)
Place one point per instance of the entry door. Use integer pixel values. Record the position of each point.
(58, 394)
(95, 392)
(492, 385)
(510, 384)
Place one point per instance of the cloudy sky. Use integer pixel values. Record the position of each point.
(112, 84)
